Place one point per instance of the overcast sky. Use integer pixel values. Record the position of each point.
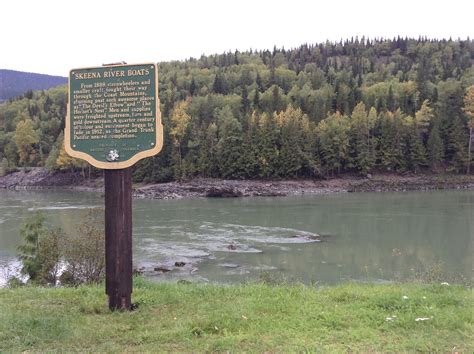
(52, 37)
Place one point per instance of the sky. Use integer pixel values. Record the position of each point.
(53, 37)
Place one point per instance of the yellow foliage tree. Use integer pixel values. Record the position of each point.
(469, 110)
(423, 117)
(25, 138)
(64, 161)
(179, 121)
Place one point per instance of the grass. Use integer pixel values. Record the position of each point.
(253, 317)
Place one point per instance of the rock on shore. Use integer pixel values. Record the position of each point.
(40, 178)
(258, 188)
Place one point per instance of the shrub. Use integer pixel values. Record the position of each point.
(81, 255)
(84, 252)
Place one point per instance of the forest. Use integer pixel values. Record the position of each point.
(15, 83)
(356, 107)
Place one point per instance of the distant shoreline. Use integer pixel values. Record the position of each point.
(41, 179)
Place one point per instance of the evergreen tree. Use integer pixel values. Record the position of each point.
(415, 153)
(268, 145)
(293, 126)
(333, 135)
(391, 142)
(391, 100)
(256, 100)
(229, 147)
(31, 232)
(39, 254)
(245, 101)
(277, 102)
(450, 115)
(219, 84)
(456, 145)
(192, 87)
(435, 146)
(208, 165)
(360, 137)
(259, 83)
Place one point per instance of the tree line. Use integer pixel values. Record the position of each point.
(354, 106)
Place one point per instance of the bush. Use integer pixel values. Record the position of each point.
(81, 255)
(40, 253)
(14, 282)
(84, 252)
(4, 167)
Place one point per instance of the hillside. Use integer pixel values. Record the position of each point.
(15, 83)
(358, 106)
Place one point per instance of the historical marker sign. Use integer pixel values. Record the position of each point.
(113, 115)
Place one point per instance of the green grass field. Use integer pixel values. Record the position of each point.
(251, 317)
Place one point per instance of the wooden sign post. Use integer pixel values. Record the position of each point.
(118, 237)
(113, 121)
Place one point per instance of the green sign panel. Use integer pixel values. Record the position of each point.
(113, 115)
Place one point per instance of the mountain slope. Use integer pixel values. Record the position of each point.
(15, 83)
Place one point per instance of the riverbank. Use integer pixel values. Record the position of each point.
(253, 317)
(259, 188)
(40, 178)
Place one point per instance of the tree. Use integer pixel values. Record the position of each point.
(259, 83)
(273, 99)
(256, 100)
(277, 104)
(25, 138)
(267, 144)
(457, 145)
(469, 110)
(40, 254)
(219, 84)
(360, 133)
(4, 167)
(229, 147)
(245, 100)
(414, 150)
(391, 141)
(435, 146)
(208, 164)
(334, 140)
(53, 156)
(391, 105)
(192, 87)
(179, 122)
(31, 232)
(292, 125)
(66, 162)
(453, 127)
(423, 118)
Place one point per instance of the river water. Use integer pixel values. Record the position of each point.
(378, 237)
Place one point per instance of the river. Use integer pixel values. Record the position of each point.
(377, 237)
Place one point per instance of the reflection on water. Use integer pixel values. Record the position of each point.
(366, 236)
